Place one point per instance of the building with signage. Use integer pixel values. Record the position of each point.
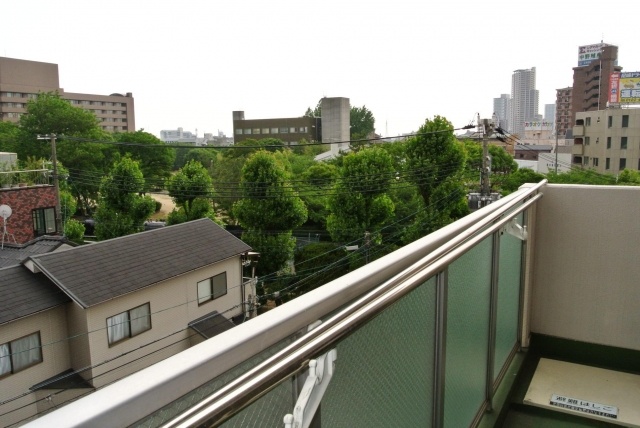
(538, 132)
(524, 99)
(624, 88)
(607, 141)
(591, 77)
(22, 80)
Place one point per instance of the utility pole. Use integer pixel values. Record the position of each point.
(56, 184)
(485, 187)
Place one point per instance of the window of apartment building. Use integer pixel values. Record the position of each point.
(623, 163)
(44, 221)
(587, 121)
(247, 131)
(284, 130)
(238, 131)
(212, 288)
(292, 129)
(587, 140)
(609, 121)
(625, 120)
(608, 142)
(607, 163)
(586, 160)
(274, 130)
(594, 162)
(623, 142)
(20, 354)
(265, 130)
(129, 323)
(256, 131)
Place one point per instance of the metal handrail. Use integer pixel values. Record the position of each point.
(259, 380)
(124, 402)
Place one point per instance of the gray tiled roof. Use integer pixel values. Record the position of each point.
(24, 293)
(92, 274)
(12, 255)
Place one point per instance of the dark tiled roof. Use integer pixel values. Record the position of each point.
(23, 293)
(92, 274)
(12, 255)
(211, 324)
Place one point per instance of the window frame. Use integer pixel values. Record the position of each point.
(211, 294)
(625, 121)
(128, 324)
(623, 143)
(10, 355)
(39, 218)
(622, 164)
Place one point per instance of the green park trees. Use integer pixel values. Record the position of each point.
(268, 210)
(191, 190)
(121, 210)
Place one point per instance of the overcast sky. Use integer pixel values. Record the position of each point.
(190, 63)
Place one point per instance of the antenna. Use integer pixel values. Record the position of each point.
(5, 213)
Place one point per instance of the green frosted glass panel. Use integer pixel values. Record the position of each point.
(384, 370)
(268, 411)
(468, 298)
(510, 264)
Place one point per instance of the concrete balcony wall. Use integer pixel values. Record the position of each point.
(585, 269)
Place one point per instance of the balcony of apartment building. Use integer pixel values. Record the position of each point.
(524, 313)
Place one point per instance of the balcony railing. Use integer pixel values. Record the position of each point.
(25, 178)
(422, 337)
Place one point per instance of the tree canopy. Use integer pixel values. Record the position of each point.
(154, 156)
(191, 190)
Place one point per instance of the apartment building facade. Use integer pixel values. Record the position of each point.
(22, 80)
(564, 119)
(607, 141)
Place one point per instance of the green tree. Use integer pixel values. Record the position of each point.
(317, 182)
(269, 210)
(513, 181)
(435, 163)
(154, 156)
(74, 231)
(360, 202)
(121, 210)
(629, 177)
(362, 124)
(9, 137)
(581, 176)
(191, 190)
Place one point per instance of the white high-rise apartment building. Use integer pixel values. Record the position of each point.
(524, 99)
(502, 110)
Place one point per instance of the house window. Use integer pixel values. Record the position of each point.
(609, 121)
(20, 354)
(625, 120)
(623, 142)
(44, 221)
(607, 163)
(212, 288)
(129, 323)
(608, 142)
(623, 163)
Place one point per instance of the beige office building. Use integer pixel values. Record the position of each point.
(22, 80)
(607, 141)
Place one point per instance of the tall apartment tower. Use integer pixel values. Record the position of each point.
(564, 119)
(591, 78)
(524, 99)
(502, 110)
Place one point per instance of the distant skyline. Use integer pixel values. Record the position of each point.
(189, 64)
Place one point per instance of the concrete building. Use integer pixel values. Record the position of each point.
(336, 123)
(563, 119)
(591, 78)
(290, 130)
(538, 132)
(607, 141)
(524, 99)
(549, 113)
(502, 110)
(22, 80)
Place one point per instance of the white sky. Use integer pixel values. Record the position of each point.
(190, 63)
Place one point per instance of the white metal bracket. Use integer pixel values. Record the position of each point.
(320, 372)
(513, 228)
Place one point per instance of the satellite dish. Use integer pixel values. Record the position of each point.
(5, 211)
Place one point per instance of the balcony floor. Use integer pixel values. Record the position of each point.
(519, 414)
